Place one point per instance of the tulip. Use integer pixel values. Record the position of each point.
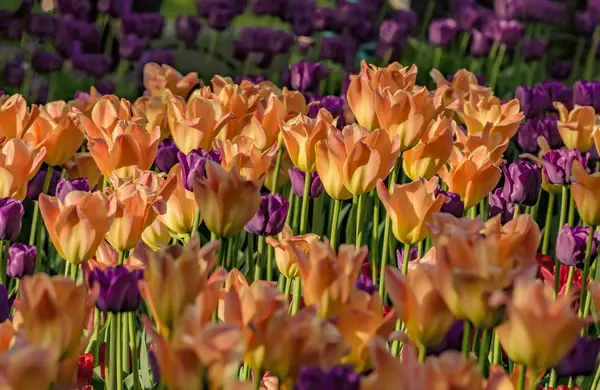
(539, 127)
(499, 205)
(522, 183)
(78, 224)
(270, 218)
(193, 164)
(285, 250)
(264, 127)
(361, 98)
(533, 49)
(302, 133)
(471, 175)
(15, 118)
(480, 45)
(581, 360)
(442, 31)
(365, 283)
(557, 165)
(242, 153)
(413, 254)
(36, 185)
(18, 163)
(433, 151)
(526, 339)
(139, 201)
(118, 289)
(18, 364)
(452, 341)
(65, 186)
(237, 105)
(11, 215)
(21, 260)
(587, 93)
(571, 245)
(297, 178)
(157, 235)
(576, 127)
(166, 156)
(339, 377)
(227, 201)
(419, 305)
(154, 110)
(534, 101)
(55, 130)
(503, 119)
(160, 78)
(410, 207)
(83, 165)
(187, 28)
(452, 203)
(181, 207)
(306, 76)
(585, 190)
(329, 169)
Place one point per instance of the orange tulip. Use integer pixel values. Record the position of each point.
(594, 291)
(157, 235)
(494, 143)
(410, 207)
(55, 130)
(265, 125)
(107, 256)
(140, 201)
(503, 119)
(463, 87)
(585, 190)
(104, 117)
(526, 337)
(364, 156)
(181, 207)
(576, 127)
(55, 311)
(327, 276)
(302, 133)
(419, 305)
(78, 223)
(242, 153)
(7, 335)
(283, 177)
(18, 164)
(85, 102)
(15, 118)
(433, 151)
(294, 103)
(83, 165)
(154, 110)
(28, 367)
(471, 175)
(285, 256)
(330, 168)
(239, 105)
(226, 200)
(159, 78)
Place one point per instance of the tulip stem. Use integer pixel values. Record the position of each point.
(305, 200)
(496, 352)
(112, 352)
(359, 220)
(522, 378)
(375, 235)
(258, 266)
(596, 378)
(553, 379)
(392, 179)
(586, 270)
(297, 293)
(37, 230)
(405, 259)
(569, 279)
(563, 216)
(548, 224)
(572, 211)
(118, 350)
(34, 222)
(497, 65)
(277, 167)
(292, 199)
(422, 353)
(484, 350)
(74, 269)
(133, 349)
(589, 63)
(270, 254)
(122, 256)
(466, 340)
(196, 223)
(334, 222)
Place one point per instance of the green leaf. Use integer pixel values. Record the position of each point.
(145, 375)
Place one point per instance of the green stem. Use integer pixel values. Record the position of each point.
(259, 258)
(564, 198)
(38, 255)
(288, 287)
(422, 353)
(74, 269)
(496, 352)
(591, 58)
(522, 378)
(548, 224)
(277, 167)
(375, 234)
(351, 226)
(572, 211)
(569, 279)
(196, 223)
(305, 201)
(133, 350)
(385, 250)
(119, 349)
(517, 211)
(596, 381)
(334, 222)
(427, 18)
(34, 222)
(122, 257)
(359, 220)
(437, 57)
(297, 295)
(112, 352)
(466, 340)
(292, 199)
(554, 379)
(96, 334)
(270, 255)
(405, 259)
(497, 65)
(484, 350)
(586, 270)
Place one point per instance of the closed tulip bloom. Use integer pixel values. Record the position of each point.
(18, 164)
(21, 260)
(181, 207)
(529, 132)
(285, 256)
(270, 217)
(522, 183)
(526, 338)
(585, 190)
(452, 341)
(576, 127)
(166, 156)
(361, 98)
(193, 164)
(533, 49)
(557, 166)
(534, 101)
(339, 378)
(587, 93)
(581, 360)
(157, 235)
(187, 28)
(55, 130)
(301, 135)
(329, 167)
(139, 201)
(419, 304)
(297, 177)
(36, 185)
(65, 186)
(432, 151)
(499, 205)
(237, 105)
(15, 118)
(452, 203)
(410, 207)
(242, 153)
(78, 223)
(118, 288)
(11, 216)
(480, 44)
(264, 128)
(442, 31)
(306, 76)
(227, 200)
(503, 118)
(571, 245)
(160, 78)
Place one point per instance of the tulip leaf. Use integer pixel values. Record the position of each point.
(145, 375)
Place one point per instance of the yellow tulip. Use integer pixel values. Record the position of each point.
(503, 119)
(181, 207)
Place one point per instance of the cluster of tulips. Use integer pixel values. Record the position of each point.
(234, 236)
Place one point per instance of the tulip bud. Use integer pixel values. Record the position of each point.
(365, 283)
(270, 217)
(452, 203)
(522, 183)
(65, 186)
(306, 76)
(21, 260)
(557, 166)
(85, 370)
(11, 214)
(571, 245)
(534, 101)
(193, 164)
(297, 178)
(187, 28)
(118, 289)
(442, 31)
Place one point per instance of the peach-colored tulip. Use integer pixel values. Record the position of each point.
(159, 78)
(330, 168)
(526, 337)
(78, 223)
(85, 102)
(585, 190)
(464, 86)
(83, 165)
(495, 144)
(285, 256)
(157, 235)
(433, 151)
(410, 207)
(15, 118)
(594, 291)
(55, 130)
(239, 105)
(419, 305)
(242, 153)
(576, 127)
(107, 256)
(294, 103)
(181, 207)
(301, 135)
(104, 116)
(154, 110)
(265, 125)
(28, 367)
(503, 118)
(139, 201)
(7, 335)
(18, 164)
(227, 201)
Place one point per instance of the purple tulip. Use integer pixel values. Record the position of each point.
(413, 254)
(583, 23)
(270, 217)
(42, 26)
(534, 101)
(557, 164)
(532, 49)
(71, 31)
(560, 70)
(95, 64)
(522, 182)
(365, 283)
(442, 31)
(65, 186)
(306, 76)
(118, 288)
(587, 93)
(508, 32)
(546, 11)
(558, 92)
(333, 104)
(509, 9)
(529, 132)
(393, 33)
(160, 56)
(326, 18)
(408, 18)
(279, 41)
(340, 49)
(193, 164)
(452, 340)
(77, 8)
(115, 8)
(14, 73)
(106, 87)
(21, 260)
(46, 62)
(480, 45)
(571, 245)
(167, 155)
(468, 18)
(499, 205)
(5, 304)
(131, 47)
(267, 7)
(253, 79)
(146, 25)
(297, 178)
(338, 378)
(187, 28)
(11, 214)
(581, 360)
(453, 204)
(220, 18)
(36, 185)
(386, 52)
